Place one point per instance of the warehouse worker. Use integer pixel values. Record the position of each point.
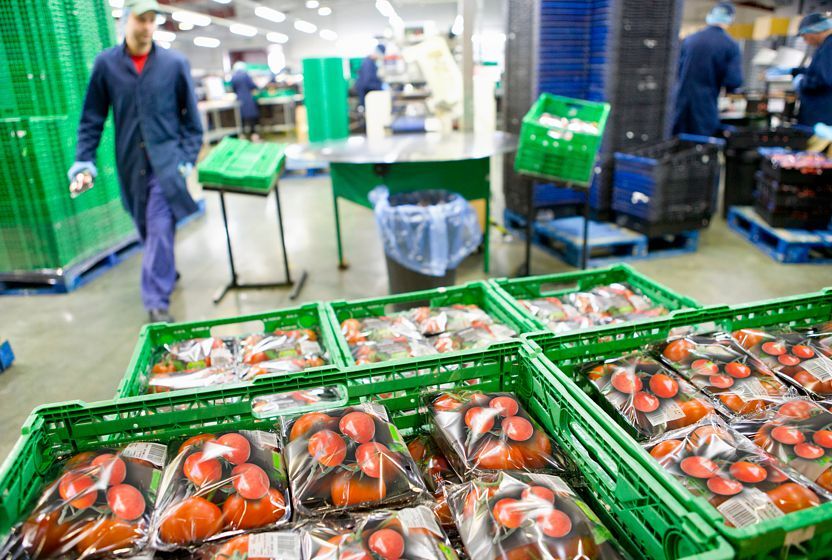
(709, 61)
(158, 138)
(368, 79)
(814, 84)
(245, 87)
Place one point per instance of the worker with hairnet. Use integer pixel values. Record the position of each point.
(814, 83)
(367, 79)
(158, 138)
(709, 61)
(245, 87)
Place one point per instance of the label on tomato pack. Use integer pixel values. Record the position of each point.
(375, 409)
(749, 507)
(667, 412)
(153, 453)
(310, 348)
(221, 356)
(260, 439)
(276, 545)
(749, 388)
(419, 517)
(820, 368)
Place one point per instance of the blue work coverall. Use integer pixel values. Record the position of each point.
(244, 86)
(367, 79)
(158, 129)
(709, 60)
(815, 89)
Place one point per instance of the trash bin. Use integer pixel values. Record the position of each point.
(426, 235)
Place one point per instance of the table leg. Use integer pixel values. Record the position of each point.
(282, 236)
(585, 250)
(233, 284)
(486, 265)
(342, 264)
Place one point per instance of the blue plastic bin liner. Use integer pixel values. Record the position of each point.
(428, 231)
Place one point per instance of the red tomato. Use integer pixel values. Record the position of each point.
(351, 489)
(447, 402)
(539, 492)
(375, 459)
(787, 435)
(42, 536)
(704, 367)
(202, 471)
(480, 420)
(738, 370)
(387, 543)
(695, 410)
(195, 441)
(250, 481)
(788, 359)
(667, 449)
(509, 513)
(554, 524)
(499, 455)
(112, 469)
(823, 438)
(358, 426)
(776, 476)
(328, 448)
(79, 459)
(417, 449)
(239, 448)
(825, 480)
(799, 409)
(190, 521)
(802, 351)
(774, 348)
(105, 535)
(308, 422)
(626, 382)
(699, 467)
(239, 513)
(535, 453)
(506, 405)
(809, 381)
(645, 402)
(664, 386)
(708, 435)
(747, 472)
(78, 489)
(126, 502)
(724, 486)
(720, 381)
(678, 350)
(517, 428)
(791, 497)
(808, 451)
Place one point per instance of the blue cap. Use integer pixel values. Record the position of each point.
(381, 48)
(722, 14)
(814, 23)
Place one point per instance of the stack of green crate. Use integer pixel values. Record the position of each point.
(240, 163)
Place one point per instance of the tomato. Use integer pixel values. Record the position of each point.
(704, 367)
(195, 441)
(739, 406)
(250, 481)
(358, 426)
(446, 403)
(506, 405)
(78, 460)
(499, 455)
(823, 438)
(694, 410)
(480, 420)
(721, 381)
(665, 448)
(809, 381)
(790, 496)
(724, 486)
(126, 502)
(787, 435)
(555, 524)
(678, 350)
(106, 535)
(825, 480)
(42, 536)
(808, 451)
(387, 543)
(328, 448)
(535, 453)
(664, 386)
(539, 492)
(202, 471)
(375, 459)
(417, 449)
(437, 465)
(788, 360)
(799, 409)
(747, 472)
(309, 421)
(350, 489)
(190, 521)
(776, 476)
(774, 348)
(239, 513)
(738, 370)
(626, 382)
(233, 548)
(802, 351)
(699, 467)
(78, 489)
(163, 367)
(749, 338)
(517, 428)
(645, 402)
(509, 513)
(255, 358)
(112, 469)
(239, 448)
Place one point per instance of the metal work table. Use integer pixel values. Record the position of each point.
(210, 113)
(457, 162)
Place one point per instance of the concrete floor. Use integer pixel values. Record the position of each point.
(77, 346)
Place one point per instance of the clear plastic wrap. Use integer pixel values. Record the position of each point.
(478, 336)
(519, 516)
(746, 485)
(718, 366)
(348, 459)
(194, 363)
(481, 432)
(273, 545)
(220, 485)
(437, 473)
(373, 352)
(651, 398)
(100, 505)
(437, 320)
(283, 351)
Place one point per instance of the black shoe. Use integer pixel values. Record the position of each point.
(178, 276)
(160, 316)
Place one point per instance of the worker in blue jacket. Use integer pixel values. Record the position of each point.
(709, 61)
(814, 83)
(158, 138)
(368, 79)
(244, 87)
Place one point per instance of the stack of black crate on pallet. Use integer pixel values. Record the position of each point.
(794, 190)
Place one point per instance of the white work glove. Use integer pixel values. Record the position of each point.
(185, 169)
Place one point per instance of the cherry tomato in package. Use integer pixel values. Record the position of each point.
(101, 503)
(220, 485)
(272, 545)
(373, 352)
(523, 516)
(283, 351)
(648, 396)
(195, 363)
(379, 329)
(746, 485)
(717, 365)
(436, 471)
(349, 459)
(437, 320)
(482, 432)
(481, 336)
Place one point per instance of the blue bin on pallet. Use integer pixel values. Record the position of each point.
(6, 356)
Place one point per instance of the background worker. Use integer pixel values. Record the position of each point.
(813, 84)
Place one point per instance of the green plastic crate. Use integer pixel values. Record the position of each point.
(239, 163)
(570, 158)
(777, 538)
(307, 316)
(479, 293)
(643, 516)
(554, 285)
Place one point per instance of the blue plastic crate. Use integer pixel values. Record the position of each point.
(6, 356)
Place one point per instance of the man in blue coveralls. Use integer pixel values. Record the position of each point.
(244, 87)
(158, 138)
(814, 83)
(367, 79)
(709, 61)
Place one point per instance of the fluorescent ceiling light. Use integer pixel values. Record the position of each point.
(312, 4)
(324, 11)
(269, 14)
(242, 29)
(207, 42)
(276, 37)
(305, 26)
(163, 44)
(117, 13)
(222, 1)
(117, 3)
(183, 26)
(164, 36)
(329, 34)
(192, 17)
(385, 8)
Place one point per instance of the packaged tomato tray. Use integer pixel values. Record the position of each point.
(194, 363)
(471, 338)
(348, 459)
(283, 351)
(524, 516)
(717, 365)
(480, 432)
(742, 482)
(436, 471)
(377, 329)
(219, 485)
(272, 545)
(796, 356)
(437, 320)
(410, 533)
(373, 352)
(101, 503)
(649, 397)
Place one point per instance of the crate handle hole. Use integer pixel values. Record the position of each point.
(237, 329)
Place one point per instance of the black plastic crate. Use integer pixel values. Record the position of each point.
(791, 176)
(740, 182)
(778, 196)
(795, 138)
(657, 229)
(795, 219)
